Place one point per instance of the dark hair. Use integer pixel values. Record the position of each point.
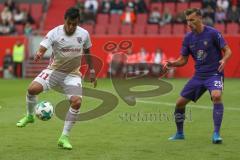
(189, 11)
(72, 13)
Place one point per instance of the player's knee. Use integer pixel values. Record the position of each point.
(35, 88)
(32, 90)
(216, 98)
(181, 103)
(75, 102)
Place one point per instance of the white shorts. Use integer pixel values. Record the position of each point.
(68, 84)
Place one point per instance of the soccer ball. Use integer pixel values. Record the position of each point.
(44, 110)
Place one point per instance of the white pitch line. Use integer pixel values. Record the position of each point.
(189, 105)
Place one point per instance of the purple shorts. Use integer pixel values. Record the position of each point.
(196, 86)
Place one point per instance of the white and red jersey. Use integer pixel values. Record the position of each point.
(67, 50)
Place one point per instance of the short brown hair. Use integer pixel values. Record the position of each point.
(189, 11)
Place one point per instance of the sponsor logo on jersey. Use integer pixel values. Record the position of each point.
(79, 39)
(71, 50)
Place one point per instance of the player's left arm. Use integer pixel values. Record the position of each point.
(91, 67)
(226, 55)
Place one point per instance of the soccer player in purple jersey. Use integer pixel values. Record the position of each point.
(210, 53)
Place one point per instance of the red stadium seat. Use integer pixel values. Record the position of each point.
(37, 11)
(232, 28)
(19, 28)
(115, 19)
(158, 5)
(24, 6)
(1, 7)
(141, 19)
(171, 6)
(139, 29)
(126, 29)
(113, 29)
(152, 29)
(102, 19)
(88, 27)
(195, 5)
(220, 27)
(100, 29)
(181, 7)
(178, 29)
(166, 29)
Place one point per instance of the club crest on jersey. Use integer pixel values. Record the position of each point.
(79, 39)
(201, 55)
(205, 43)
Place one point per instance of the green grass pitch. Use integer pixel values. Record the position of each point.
(117, 136)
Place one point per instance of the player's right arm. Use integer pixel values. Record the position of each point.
(183, 58)
(181, 61)
(45, 44)
(41, 51)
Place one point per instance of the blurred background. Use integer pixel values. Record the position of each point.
(151, 31)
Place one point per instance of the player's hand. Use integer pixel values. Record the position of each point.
(38, 56)
(222, 65)
(93, 78)
(167, 65)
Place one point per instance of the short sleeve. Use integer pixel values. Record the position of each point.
(185, 51)
(87, 44)
(219, 40)
(48, 39)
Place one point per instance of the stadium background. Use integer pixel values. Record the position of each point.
(120, 134)
(104, 27)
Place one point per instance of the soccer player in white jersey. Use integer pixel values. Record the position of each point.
(68, 42)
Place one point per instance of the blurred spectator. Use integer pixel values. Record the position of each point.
(212, 3)
(91, 6)
(141, 6)
(166, 17)
(18, 58)
(129, 65)
(28, 29)
(89, 17)
(10, 4)
(105, 6)
(209, 12)
(158, 57)
(233, 14)
(28, 17)
(224, 4)
(180, 17)
(117, 7)
(142, 57)
(183, 1)
(8, 65)
(6, 15)
(208, 16)
(7, 28)
(154, 16)
(82, 15)
(115, 61)
(128, 17)
(220, 15)
(80, 4)
(131, 4)
(172, 70)
(208, 21)
(18, 16)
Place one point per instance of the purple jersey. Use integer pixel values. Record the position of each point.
(205, 49)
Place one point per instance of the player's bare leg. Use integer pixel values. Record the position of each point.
(71, 118)
(179, 117)
(216, 96)
(31, 98)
